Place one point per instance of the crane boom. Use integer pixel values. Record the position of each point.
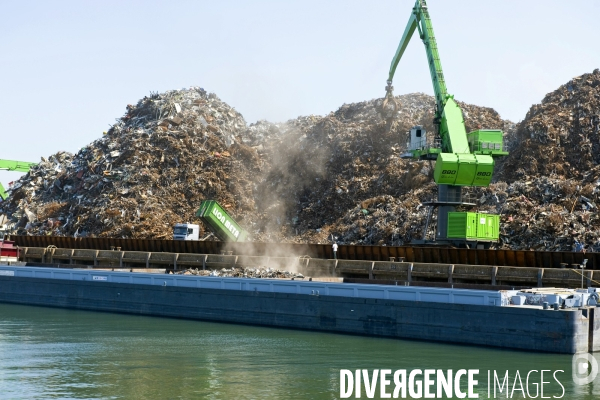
(452, 128)
(10, 165)
(459, 162)
(419, 19)
(20, 166)
(461, 159)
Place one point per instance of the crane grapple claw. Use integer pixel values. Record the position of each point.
(389, 107)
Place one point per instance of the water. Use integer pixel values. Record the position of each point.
(54, 353)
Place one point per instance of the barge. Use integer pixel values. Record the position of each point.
(475, 317)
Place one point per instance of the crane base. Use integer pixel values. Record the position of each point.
(455, 243)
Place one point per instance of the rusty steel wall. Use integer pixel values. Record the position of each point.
(516, 258)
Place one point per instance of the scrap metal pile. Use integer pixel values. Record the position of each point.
(553, 175)
(148, 172)
(243, 272)
(341, 175)
(315, 178)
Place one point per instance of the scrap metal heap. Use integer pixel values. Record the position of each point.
(149, 171)
(552, 175)
(342, 174)
(316, 176)
(243, 272)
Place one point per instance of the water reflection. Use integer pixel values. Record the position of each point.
(54, 353)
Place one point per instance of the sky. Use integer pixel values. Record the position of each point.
(69, 68)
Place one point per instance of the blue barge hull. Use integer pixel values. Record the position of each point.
(439, 315)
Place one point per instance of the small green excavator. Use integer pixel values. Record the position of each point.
(461, 159)
(9, 165)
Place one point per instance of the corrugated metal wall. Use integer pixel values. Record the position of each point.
(518, 258)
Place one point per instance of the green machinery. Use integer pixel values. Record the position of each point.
(9, 165)
(221, 223)
(461, 159)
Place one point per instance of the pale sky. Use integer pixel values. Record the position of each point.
(69, 68)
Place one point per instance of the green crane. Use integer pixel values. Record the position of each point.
(9, 165)
(461, 159)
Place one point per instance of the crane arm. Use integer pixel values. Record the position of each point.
(20, 166)
(3, 194)
(10, 165)
(408, 32)
(420, 20)
(448, 114)
(463, 160)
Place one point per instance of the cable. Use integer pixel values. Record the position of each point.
(579, 273)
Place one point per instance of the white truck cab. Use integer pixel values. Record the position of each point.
(186, 232)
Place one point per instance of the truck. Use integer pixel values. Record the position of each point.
(186, 231)
(214, 218)
(461, 159)
(10, 165)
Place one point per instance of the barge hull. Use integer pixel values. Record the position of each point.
(566, 331)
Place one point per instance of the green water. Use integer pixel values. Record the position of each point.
(54, 353)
